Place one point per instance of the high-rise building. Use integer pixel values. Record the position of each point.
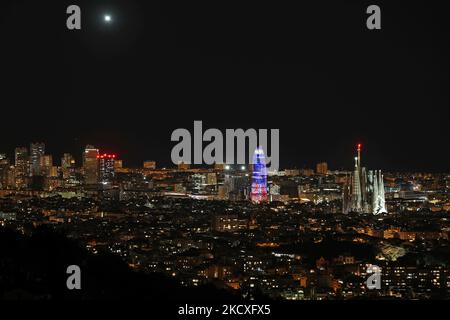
(118, 164)
(364, 191)
(37, 150)
(150, 165)
(197, 183)
(70, 173)
(21, 167)
(67, 161)
(4, 167)
(67, 165)
(259, 177)
(90, 165)
(236, 186)
(106, 168)
(45, 164)
(11, 178)
(322, 168)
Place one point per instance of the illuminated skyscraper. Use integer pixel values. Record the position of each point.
(236, 186)
(69, 170)
(259, 178)
(67, 165)
(45, 164)
(118, 164)
(90, 165)
(322, 168)
(21, 167)
(67, 161)
(37, 150)
(197, 183)
(106, 167)
(4, 167)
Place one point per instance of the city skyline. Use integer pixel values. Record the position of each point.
(137, 163)
(210, 157)
(126, 85)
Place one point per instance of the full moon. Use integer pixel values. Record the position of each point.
(107, 18)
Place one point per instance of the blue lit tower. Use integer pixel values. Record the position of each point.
(259, 178)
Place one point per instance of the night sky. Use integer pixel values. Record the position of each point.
(312, 70)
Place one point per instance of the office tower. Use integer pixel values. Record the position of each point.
(118, 164)
(150, 164)
(106, 168)
(11, 178)
(90, 165)
(236, 186)
(322, 168)
(364, 191)
(222, 192)
(259, 177)
(45, 164)
(197, 183)
(21, 167)
(67, 161)
(67, 165)
(37, 150)
(52, 172)
(4, 167)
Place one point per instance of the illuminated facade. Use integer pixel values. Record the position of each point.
(259, 177)
(150, 164)
(67, 165)
(37, 150)
(45, 164)
(90, 165)
(322, 168)
(21, 168)
(364, 190)
(106, 167)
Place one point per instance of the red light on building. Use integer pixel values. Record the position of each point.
(359, 146)
(107, 156)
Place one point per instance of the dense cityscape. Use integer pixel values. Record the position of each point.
(292, 234)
